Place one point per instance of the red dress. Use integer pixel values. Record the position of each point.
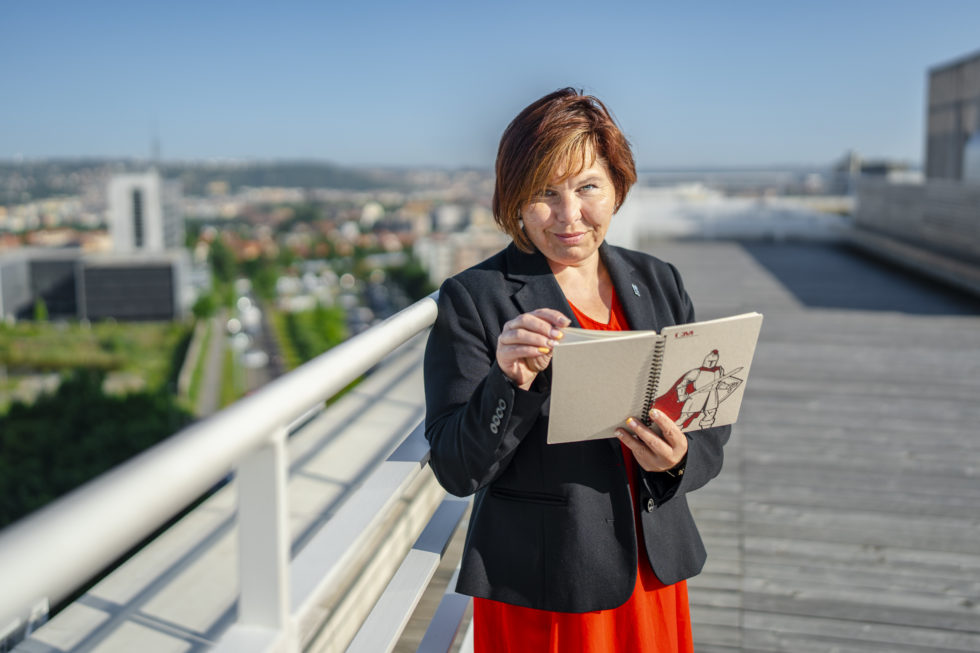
(655, 618)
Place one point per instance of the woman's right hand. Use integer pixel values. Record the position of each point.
(525, 344)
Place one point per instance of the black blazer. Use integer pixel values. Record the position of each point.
(552, 526)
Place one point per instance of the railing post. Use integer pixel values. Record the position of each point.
(263, 540)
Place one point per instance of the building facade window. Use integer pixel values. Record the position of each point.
(138, 218)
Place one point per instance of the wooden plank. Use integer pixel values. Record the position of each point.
(766, 632)
(846, 515)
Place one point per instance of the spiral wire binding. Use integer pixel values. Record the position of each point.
(653, 381)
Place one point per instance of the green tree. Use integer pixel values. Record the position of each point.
(412, 278)
(305, 213)
(305, 335)
(285, 258)
(263, 273)
(205, 306)
(223, 262)
(40, 310)
(74, 434)
(192, 232)
(329, 325)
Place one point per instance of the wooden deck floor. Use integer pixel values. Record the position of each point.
(847, 517)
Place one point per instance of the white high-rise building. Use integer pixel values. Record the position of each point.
(144, 213)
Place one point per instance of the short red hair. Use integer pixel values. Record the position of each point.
(545, 139)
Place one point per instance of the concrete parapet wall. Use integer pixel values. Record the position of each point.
(938, 215)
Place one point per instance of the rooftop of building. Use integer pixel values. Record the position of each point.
(844, 517)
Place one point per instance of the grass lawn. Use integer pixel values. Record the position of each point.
(198, 375)
(304, 335)
(140, 355)
(230, 390)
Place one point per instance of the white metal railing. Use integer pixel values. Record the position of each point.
(109, 515)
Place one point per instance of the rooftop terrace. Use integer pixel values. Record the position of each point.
(845, 518)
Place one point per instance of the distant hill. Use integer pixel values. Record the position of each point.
(196, 177)
(23, 181)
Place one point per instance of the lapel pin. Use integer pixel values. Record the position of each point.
(636, 291)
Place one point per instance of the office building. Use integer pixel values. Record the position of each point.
(15, 286)
(953, 119)
(932, 226)
(30, 274)
(144, 213)
(76, 285)
(121, 287)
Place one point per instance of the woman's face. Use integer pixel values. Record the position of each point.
(568, 220)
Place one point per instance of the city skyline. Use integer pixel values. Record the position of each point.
(711, 85)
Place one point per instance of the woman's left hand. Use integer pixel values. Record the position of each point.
(655, 453)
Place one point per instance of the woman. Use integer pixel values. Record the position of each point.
(571, 547)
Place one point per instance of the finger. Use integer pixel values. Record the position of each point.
(636, 445)
(647, 459)
(532, 333)
(630, 441)
(524, 339)
(647, 438)
(537, 333)
(552, 316)
(529, 325)
(517, 353)
(548, 326)
(670, 432)
(537, 363)
(548, 316)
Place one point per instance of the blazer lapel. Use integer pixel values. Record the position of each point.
(537, 287)
(634, 295)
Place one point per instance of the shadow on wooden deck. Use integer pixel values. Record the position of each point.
(846, 518)
(828, 275)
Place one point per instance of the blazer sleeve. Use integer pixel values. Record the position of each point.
(475, 416)
(705, 448)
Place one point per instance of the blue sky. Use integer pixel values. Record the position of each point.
(434, 83)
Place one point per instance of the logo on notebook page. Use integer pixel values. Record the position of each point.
(683, 334)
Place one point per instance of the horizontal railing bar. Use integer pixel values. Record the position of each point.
(444, 625)
(112, 513)
(384, 625)
(317, 568)
(467, 644)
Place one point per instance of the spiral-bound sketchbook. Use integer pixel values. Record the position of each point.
(695, 373)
